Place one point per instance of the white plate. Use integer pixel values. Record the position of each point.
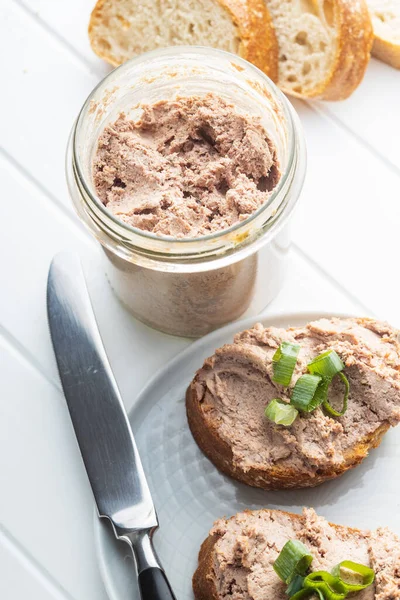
(189, 493)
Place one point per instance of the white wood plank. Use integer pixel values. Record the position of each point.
(45, 503)
(46, 87)
(307, 289)
(69, 21)
(372, 111)
(22, 577)
(349, 217)
(17, 583)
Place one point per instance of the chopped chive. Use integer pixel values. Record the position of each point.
(294, 559)
(304, 392)
(281, 412)
(307, 593)
(329, 409)
(331, 587)
(284, 363)
(295, 585)
(354, 576)
(327, 364)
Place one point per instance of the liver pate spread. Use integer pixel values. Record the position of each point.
(186, 168)
(248, 544)
(235, 386)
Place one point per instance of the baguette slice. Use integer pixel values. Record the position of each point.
(225, 404)
(236, 559)
(120, 29)
(385, 15)
(324, 46)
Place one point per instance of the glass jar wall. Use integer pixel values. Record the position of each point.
(190, 286)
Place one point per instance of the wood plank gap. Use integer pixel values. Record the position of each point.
(321, 271)
(14, 547)
(14, 346)
(325, 112)
(69, 214)
(59, 38)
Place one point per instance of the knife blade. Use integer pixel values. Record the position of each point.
(100, 421)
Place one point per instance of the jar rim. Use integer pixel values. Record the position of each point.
(134, 234)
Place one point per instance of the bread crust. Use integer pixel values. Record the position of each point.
(203, 579)
(354, 42)
(353, 52)
(387, 51)
(96, 18)
(258, 42)
(206, 434)
(203, 584)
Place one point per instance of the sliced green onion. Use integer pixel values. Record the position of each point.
(304, 392)
(327, 364)
(281, 412)
(294, 559)
(307, 593)
(284, 362)
(321, 393)
(331, 587)
(295, 585)
(329, 409)
(354, 576)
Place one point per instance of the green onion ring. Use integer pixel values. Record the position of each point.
(295, 585)
(303, 393)
(331, 587)
(328, 408)
(347, 566)
(284, 362)
(307, 593)
(281, 413)
(321, 392)
(327, 364)
(294, 559)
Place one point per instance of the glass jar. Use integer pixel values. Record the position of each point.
(190, 286)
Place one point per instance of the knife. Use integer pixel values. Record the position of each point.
(101, 424)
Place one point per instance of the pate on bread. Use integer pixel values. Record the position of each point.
(228, 396)
(236, 560)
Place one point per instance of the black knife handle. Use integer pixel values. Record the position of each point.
(153, 582)
(153, 585)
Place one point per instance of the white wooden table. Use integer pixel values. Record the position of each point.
(345, 256)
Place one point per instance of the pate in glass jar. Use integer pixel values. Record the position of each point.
(190, 285)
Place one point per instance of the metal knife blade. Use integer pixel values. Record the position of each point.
(98, 415)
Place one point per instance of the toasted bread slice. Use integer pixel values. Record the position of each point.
(385, 15)
(324, 46)
(236, 560)
(226, 400)
(120, 29)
